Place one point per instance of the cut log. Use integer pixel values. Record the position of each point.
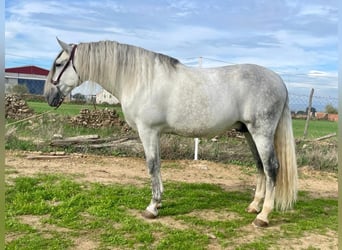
(46, 157)
(89, 141)
(74, 140)
(104, 145)
(325, 137)
(81, 138)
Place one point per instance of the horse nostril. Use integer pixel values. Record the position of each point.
(54, 97)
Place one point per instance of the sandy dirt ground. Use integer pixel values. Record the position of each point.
(107, 170)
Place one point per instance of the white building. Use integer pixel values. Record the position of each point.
(105, 97)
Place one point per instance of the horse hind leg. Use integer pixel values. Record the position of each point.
(255, 205)
(266, 152)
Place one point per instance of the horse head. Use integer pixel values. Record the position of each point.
(63, 75)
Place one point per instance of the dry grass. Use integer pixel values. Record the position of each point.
(319, 155)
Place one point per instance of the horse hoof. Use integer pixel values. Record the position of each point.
(252, 210)
(148, 215)
(260, 223)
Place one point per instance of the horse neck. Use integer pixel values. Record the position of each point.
(122, 69)
(93, 67)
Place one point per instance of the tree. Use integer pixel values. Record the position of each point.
(79, 98)
(330, 109)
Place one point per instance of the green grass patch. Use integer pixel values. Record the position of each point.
(316, 128)
(70, 109)
(103, 214)
(35, 241)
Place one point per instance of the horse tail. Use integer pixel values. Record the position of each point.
(286, 182)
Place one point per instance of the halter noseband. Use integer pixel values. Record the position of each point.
(71, 59)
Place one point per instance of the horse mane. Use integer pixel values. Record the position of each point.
(108, 61)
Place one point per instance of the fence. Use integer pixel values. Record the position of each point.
(299, 102)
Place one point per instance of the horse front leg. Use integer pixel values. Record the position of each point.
(151, 143)
(151, 211)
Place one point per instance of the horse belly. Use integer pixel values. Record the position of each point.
(201, 122)
(201, 108)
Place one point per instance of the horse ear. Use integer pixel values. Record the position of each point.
(66, 47)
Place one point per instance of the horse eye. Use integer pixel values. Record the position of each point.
(58, 64)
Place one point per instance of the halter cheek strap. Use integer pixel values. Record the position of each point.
(71, 59)
(56, 82)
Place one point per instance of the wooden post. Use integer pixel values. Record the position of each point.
(308, 114)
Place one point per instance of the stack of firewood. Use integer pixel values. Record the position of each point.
(16, 108)
(97, 118)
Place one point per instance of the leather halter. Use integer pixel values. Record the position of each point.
(71, 59)
(56, 82)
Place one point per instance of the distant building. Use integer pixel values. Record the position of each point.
(105, 97)
(32, 76)
(326, 116)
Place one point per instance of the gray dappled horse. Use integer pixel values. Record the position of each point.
(159, 94)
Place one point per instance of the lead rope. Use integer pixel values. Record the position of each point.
(28, 118)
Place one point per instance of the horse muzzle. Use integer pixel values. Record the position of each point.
(54, 97)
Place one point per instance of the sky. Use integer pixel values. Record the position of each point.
(297, 39)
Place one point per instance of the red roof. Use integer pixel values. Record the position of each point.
(30, 70)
